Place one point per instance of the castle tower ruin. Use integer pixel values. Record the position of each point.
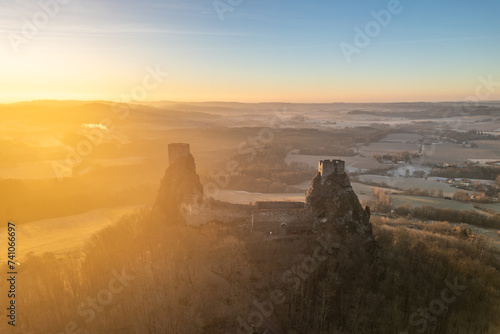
(327, 167)
(177, 150)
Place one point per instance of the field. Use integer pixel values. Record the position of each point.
(401, 137)
(28, 170)
(353, 164)
(406, 183)
(442, 203)
(455, 153)
(388, 147)
(364, 192)
(490, 233)
(244, 197)
(58, 235)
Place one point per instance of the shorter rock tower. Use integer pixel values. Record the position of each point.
(177, 150)
(334, 203)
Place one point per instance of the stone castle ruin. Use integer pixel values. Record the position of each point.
(176, 151)
(329, 198)
(327, 167)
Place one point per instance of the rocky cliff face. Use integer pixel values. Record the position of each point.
(180, 184)
(332, 200)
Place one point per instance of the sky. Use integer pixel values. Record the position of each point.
(250, 50)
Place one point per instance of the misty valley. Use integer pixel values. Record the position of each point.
(219, 217)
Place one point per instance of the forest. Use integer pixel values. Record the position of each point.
(445, 214)
(142, 275)
(469, 172)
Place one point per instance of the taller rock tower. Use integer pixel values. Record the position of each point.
(181, 184)
(177, 150)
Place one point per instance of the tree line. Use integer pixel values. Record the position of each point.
(445, 214)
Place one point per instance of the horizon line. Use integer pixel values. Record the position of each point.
(239, 102)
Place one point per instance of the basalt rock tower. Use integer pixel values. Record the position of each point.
(333, 201)
(180, 184)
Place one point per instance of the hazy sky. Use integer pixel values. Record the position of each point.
(261, 51)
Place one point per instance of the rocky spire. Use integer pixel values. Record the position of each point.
(179, 185)
(332, 200)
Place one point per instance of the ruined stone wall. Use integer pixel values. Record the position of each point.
(211, 210)
(271, 220)
(275, 205)
(247, 215)
(327, 167)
